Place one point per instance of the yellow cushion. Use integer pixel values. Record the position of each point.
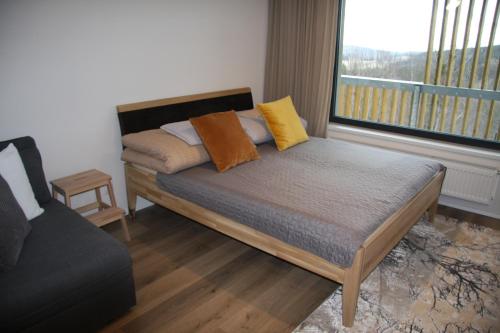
(283, 123)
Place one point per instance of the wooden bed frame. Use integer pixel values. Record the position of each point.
(152, 114)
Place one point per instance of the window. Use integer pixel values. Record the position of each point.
(422, 67)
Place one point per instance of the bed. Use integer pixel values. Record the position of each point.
(239, 205)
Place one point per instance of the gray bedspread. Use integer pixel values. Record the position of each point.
(324, 196)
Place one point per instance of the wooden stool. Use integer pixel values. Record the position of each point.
(88, 181)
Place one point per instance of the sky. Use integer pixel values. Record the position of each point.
(403, 25)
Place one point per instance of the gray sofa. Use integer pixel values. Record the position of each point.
(71, 276)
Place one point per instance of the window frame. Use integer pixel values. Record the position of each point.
(333, 118)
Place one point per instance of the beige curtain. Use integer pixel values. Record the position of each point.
(300, 57)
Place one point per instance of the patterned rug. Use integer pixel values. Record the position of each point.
(442, 277)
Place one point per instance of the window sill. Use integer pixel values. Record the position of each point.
(430, 148)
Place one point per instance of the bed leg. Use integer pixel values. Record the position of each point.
(131, 213)
(433, 211)
(131, 200)
(350, 289)
(131, 197)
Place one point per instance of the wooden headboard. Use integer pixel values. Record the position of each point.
(141, 116)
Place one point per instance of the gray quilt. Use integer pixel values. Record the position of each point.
(324, 196)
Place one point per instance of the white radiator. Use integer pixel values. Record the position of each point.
(469, 182)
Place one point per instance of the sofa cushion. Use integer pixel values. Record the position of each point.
(33, 164)
(14, 173)
(14, 227)
(66, 260)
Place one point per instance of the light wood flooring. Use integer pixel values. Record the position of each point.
(192, 279)
(486, 221)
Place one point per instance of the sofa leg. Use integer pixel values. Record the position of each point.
(350, 289)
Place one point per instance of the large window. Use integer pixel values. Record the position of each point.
(422, 67)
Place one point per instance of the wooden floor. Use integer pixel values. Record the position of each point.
(486, 221)
(190, 278)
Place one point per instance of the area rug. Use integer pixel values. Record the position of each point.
(442, 277)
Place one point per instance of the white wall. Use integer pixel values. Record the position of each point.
(65, 65)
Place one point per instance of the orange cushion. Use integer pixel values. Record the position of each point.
(225, 139)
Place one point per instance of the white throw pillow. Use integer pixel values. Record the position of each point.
(255, 126)
(256, 129)
(255, 113)
(252, 113)
(251, 121)
(184, 131)
(12, 170)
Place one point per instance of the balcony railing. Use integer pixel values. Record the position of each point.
(468, 112)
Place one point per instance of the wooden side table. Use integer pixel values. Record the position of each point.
(88, 181)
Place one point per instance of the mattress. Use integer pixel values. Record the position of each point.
(324, 196)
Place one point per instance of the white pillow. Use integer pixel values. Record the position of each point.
(256, 128)
(251, 121)
(252, 113)
(184, 131)
(12, 170)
